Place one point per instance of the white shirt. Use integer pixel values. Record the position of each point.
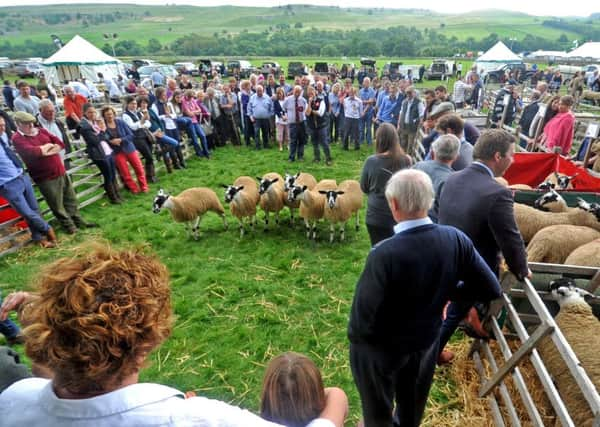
(411, 223)
(113, 89)
(32, 402)
(135, 125)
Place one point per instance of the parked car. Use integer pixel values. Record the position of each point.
(28, 69)
(391, 70)
(240, 68)
(186, 68)
(591, 69)
(519, 70)
(568, 71)
(270, 68)
(367, 69)
(137, 63)
(440, 69)
(321, 69)
(296, 68)
(166, 70)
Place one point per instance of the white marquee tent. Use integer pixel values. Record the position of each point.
(587, 50)
(497, 56)
(79, 58)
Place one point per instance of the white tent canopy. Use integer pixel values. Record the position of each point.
(497, 56)
(587, 50)
(79, 58)
(547, 54)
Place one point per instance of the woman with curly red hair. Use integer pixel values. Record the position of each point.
(97, 317)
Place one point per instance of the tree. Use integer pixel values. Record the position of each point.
(154, 46)
(298, 25)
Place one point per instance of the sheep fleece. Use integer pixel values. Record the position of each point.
(530, 220)
(193, 202)
(582, 330)
(245, 205)
(315, 207)
(554, 244)
(347, 203)
(587, 255)
(272, 199)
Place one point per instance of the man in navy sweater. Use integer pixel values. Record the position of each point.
(397, 309)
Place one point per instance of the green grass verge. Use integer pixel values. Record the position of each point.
(237, 302)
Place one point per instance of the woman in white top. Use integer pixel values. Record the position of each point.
(97, 318)
(283, 130)
(293, 394)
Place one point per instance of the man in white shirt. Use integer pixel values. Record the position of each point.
(47, 119)
(353, 111)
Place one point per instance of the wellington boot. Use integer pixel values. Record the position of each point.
(115, 187)
(150, 173)
(180, 157)
(110, 193)
(169, 165)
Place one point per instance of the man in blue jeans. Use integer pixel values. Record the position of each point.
(16, 188)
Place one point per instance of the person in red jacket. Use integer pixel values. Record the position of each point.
(558, 133)
(40, 150)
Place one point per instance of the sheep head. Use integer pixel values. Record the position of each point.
(159, 200)
(231, 191)
(295, 191)
(331, 197)
(546, 186)
(549, 197)
(264, 184)
(593, 208)
(563, 181)
(565, 292)
(289, 180)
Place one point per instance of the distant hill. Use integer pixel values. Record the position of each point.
(165, 24)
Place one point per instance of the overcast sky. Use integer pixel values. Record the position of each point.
(532, 7)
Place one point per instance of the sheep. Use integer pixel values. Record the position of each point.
(312, 203)
(587, 255)
(242, 197)
(520, 187)
(341, 204)
(561, 181)
(546, 186)
(551, 202)
(300, 179)
(554, 244)
(189, 206)
(272, 195)
(530, 220)
(581, 329)
(593, 208)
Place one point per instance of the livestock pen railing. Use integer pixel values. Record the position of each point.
(529, 320)
(87, 182)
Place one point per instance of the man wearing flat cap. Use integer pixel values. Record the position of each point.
(40, 150)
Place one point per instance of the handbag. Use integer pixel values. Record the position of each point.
(149, 135)
(207, 127)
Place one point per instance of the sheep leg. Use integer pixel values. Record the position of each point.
(314, 230)
(266, 221)
(241, 221)
(331, 232)
(357, 221)
(225, 224)
(291, 217)
(196, 228)
(277, 218)
(253, 221)
(342, 231)
(307, 226)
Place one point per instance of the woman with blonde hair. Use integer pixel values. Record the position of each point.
(293, 394)
(283, 130)
(96, 319)
(389, 157)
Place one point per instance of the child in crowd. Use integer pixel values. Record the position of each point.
(293, 394)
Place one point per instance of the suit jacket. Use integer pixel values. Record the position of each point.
(475, 203)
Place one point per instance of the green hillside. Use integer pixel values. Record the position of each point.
(167, 23)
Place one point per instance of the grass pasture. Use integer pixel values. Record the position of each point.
(239, 302)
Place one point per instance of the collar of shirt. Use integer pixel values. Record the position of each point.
(34, 130)
(121, 400)
(411, 223)
(485, 167)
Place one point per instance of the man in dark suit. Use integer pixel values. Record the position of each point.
(475, 203)
(397, 309)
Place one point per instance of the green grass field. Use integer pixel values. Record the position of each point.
(167, 23)
(238, 302)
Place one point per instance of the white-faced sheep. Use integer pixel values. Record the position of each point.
(561, 181)
(242, 197)
(554, 244)
(189, 206)
(587, 255)
(551, 202)
(312, 203)
(300, 179)
(340, 204)
(581, 329)
(272, 196)
(530, 220)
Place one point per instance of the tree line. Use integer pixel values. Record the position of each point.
(399, 41)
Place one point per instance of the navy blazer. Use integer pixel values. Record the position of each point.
(406, 283)
(477, 204)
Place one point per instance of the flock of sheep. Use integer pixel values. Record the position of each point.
(314, 200)
(556, 233)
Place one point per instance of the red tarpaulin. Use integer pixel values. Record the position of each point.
(8, 213)
(533, 168)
